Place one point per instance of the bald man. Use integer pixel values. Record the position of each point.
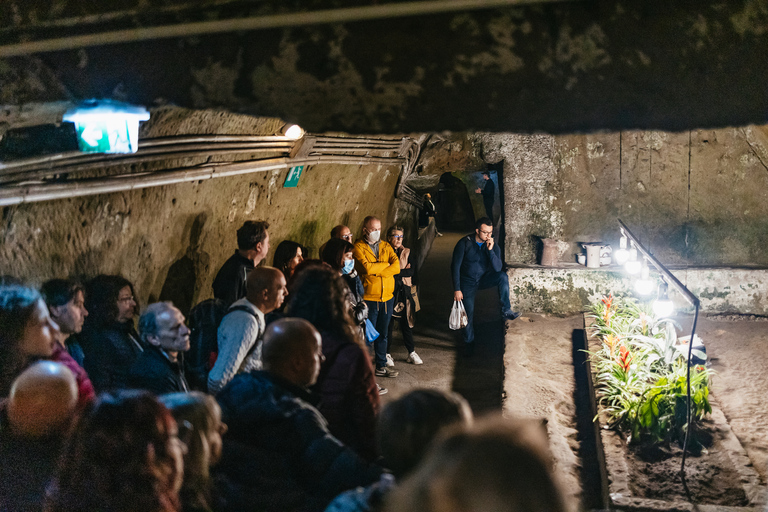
(240, 332)
(39, 410)
(278, 445)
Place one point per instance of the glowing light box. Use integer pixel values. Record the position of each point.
(106, 126)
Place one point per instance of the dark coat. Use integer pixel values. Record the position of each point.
(26, 468)
(471, 261)
(288, 441)
(489, 192)
(349, 399)
(154, 372)
(109, 354)
(229, 284)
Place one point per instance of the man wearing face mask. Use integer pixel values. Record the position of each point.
(377, 264)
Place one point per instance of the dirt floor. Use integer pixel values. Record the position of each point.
(535, 370)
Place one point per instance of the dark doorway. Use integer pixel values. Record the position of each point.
(454, 208)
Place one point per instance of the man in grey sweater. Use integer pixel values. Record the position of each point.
(240, 332)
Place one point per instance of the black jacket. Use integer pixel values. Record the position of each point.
(470, 261)
(287, 440)
(154, 372)
(110, 352)
(229, 284)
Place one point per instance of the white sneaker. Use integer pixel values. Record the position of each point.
(382, 391)
(390, 361)
(414, 358)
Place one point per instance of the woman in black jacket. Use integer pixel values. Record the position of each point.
(110, 341)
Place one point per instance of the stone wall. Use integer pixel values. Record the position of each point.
(171, 240)
(693, 198)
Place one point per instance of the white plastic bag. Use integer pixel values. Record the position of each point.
(458, 319)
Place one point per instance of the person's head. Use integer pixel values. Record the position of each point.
(162, 325)
(395, 236)
(265, 288)
(293, 350)
(26, 332)
(483, 229)
(287, 255)
(253, 240)
(343, 232)
(65, 299)
(371, 229)
(42, 400)
(337, 253)
(496, 466)
(319, 295)
(110, 299)
(124, 454)
(199, 415)
(408, 425)
(486, 175)
(427, 196)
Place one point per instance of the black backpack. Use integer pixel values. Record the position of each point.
(204, 320)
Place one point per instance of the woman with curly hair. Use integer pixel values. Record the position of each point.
(27, 332)
(200, 415)
(110, 341)
(346, 385)
(123, 455)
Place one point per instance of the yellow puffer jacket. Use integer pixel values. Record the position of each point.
(377, 274)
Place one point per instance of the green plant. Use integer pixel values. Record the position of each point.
(641, 371)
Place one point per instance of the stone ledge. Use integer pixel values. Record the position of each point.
(569, 289)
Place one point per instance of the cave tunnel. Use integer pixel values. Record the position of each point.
(584, 113)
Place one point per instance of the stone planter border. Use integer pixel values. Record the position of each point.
(615, 473)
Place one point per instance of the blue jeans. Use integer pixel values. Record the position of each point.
(488, 280)
(380, 314)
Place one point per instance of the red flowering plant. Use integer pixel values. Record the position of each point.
(641, 371)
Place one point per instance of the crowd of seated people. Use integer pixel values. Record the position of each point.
(287, 419)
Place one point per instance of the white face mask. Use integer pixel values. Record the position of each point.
(374, 236)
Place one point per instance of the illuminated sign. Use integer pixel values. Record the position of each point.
(292, 180)
(105, 126)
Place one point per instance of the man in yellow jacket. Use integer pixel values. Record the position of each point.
(377, 263)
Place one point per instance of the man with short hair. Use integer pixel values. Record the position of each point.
(489, 194)
(477, 265)
(158, 369)
(240, 332)
(278, 445)
(252, 248)
(341, 231)
(378, 264)
(65, 299)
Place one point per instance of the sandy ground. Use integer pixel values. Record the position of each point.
(738, 350)
(530, 371)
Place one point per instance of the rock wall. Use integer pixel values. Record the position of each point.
(693, 198)
(171, 240)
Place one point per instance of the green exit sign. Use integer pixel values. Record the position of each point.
(294, 173)
(105, 126)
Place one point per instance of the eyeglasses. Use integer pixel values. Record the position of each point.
(396, 236)
(346, 237)
(126, 299)
(486, 232)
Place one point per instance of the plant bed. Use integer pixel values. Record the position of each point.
(645, 475)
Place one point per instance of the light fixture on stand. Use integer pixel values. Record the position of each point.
(633, 265)
(644, 285)
(622, 255)
(663, 307)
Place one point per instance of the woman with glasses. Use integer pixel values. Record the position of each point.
(405, 306)
(110, 341)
